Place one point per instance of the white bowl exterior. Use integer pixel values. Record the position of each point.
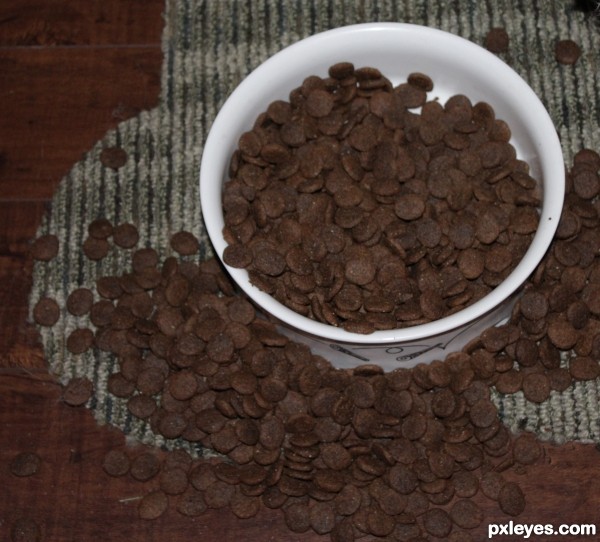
(457, 66)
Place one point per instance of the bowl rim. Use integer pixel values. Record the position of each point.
(549, 216)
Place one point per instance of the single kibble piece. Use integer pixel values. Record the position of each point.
(116, 463)
(46, 312)
(174, 481)
(126, 235)
(185, 243)
(101, 228)
(536, 387)
(584, 368)
(78, 391)
(144, 258)
(567, 51)
(95, 249)
(527, 449)
(153, 505)
(466, 514)
(192, 504)
(491, 484)
(497, 40)
(45, 248)
(80, 340)
(511, 499)
(437, 522)
(80, 301)
(141, 406)
(145, 466)
(25, 464)
(113, 157)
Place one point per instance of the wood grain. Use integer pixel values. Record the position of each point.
(58, 102)
(80, 22)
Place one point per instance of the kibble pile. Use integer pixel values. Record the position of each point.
(352, 209)
(397, 454)
(400, 456)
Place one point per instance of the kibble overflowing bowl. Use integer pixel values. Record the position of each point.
(389, 199)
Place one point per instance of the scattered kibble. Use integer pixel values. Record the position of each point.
(185, 243)
(116, 463)
(113, 157)
(78, 391)
(126, 235)
(153, 505)
(45, 248)
(25, 464)
(567, 51)
(80, 340)
(404, 454)
(46, 312)
(80, 301)
(497, 40)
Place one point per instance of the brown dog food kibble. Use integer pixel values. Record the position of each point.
(116, 463)
(153, 505)
(466, 514)
(174, 481)
(78, 391)
(145, 466)
(497, 40)
(191, 504)
(95, 249)
(491, 484)
(584, 368)
(401, 454)
(125, 235)
(567, 51)
(46, 312)
(437, 522)
(511, 499)
(80, 301)
(244, 506)
(359, 181)
(184, 243)
(527, 450)
(113, 157)
(101, 228)
(25, 464)
(536, 387)
(45, 247)
(80, 340)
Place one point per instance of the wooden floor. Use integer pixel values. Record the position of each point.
(69, 71)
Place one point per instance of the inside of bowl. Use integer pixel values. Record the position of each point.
(456, 66)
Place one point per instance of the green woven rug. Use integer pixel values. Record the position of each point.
(209, 46)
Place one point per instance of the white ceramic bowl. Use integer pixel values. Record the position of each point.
(457, 66)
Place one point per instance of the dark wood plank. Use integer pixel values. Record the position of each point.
(18, 223)
(56, 103)
(18, 341)
(79, 22)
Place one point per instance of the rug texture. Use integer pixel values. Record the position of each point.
(209, 47)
